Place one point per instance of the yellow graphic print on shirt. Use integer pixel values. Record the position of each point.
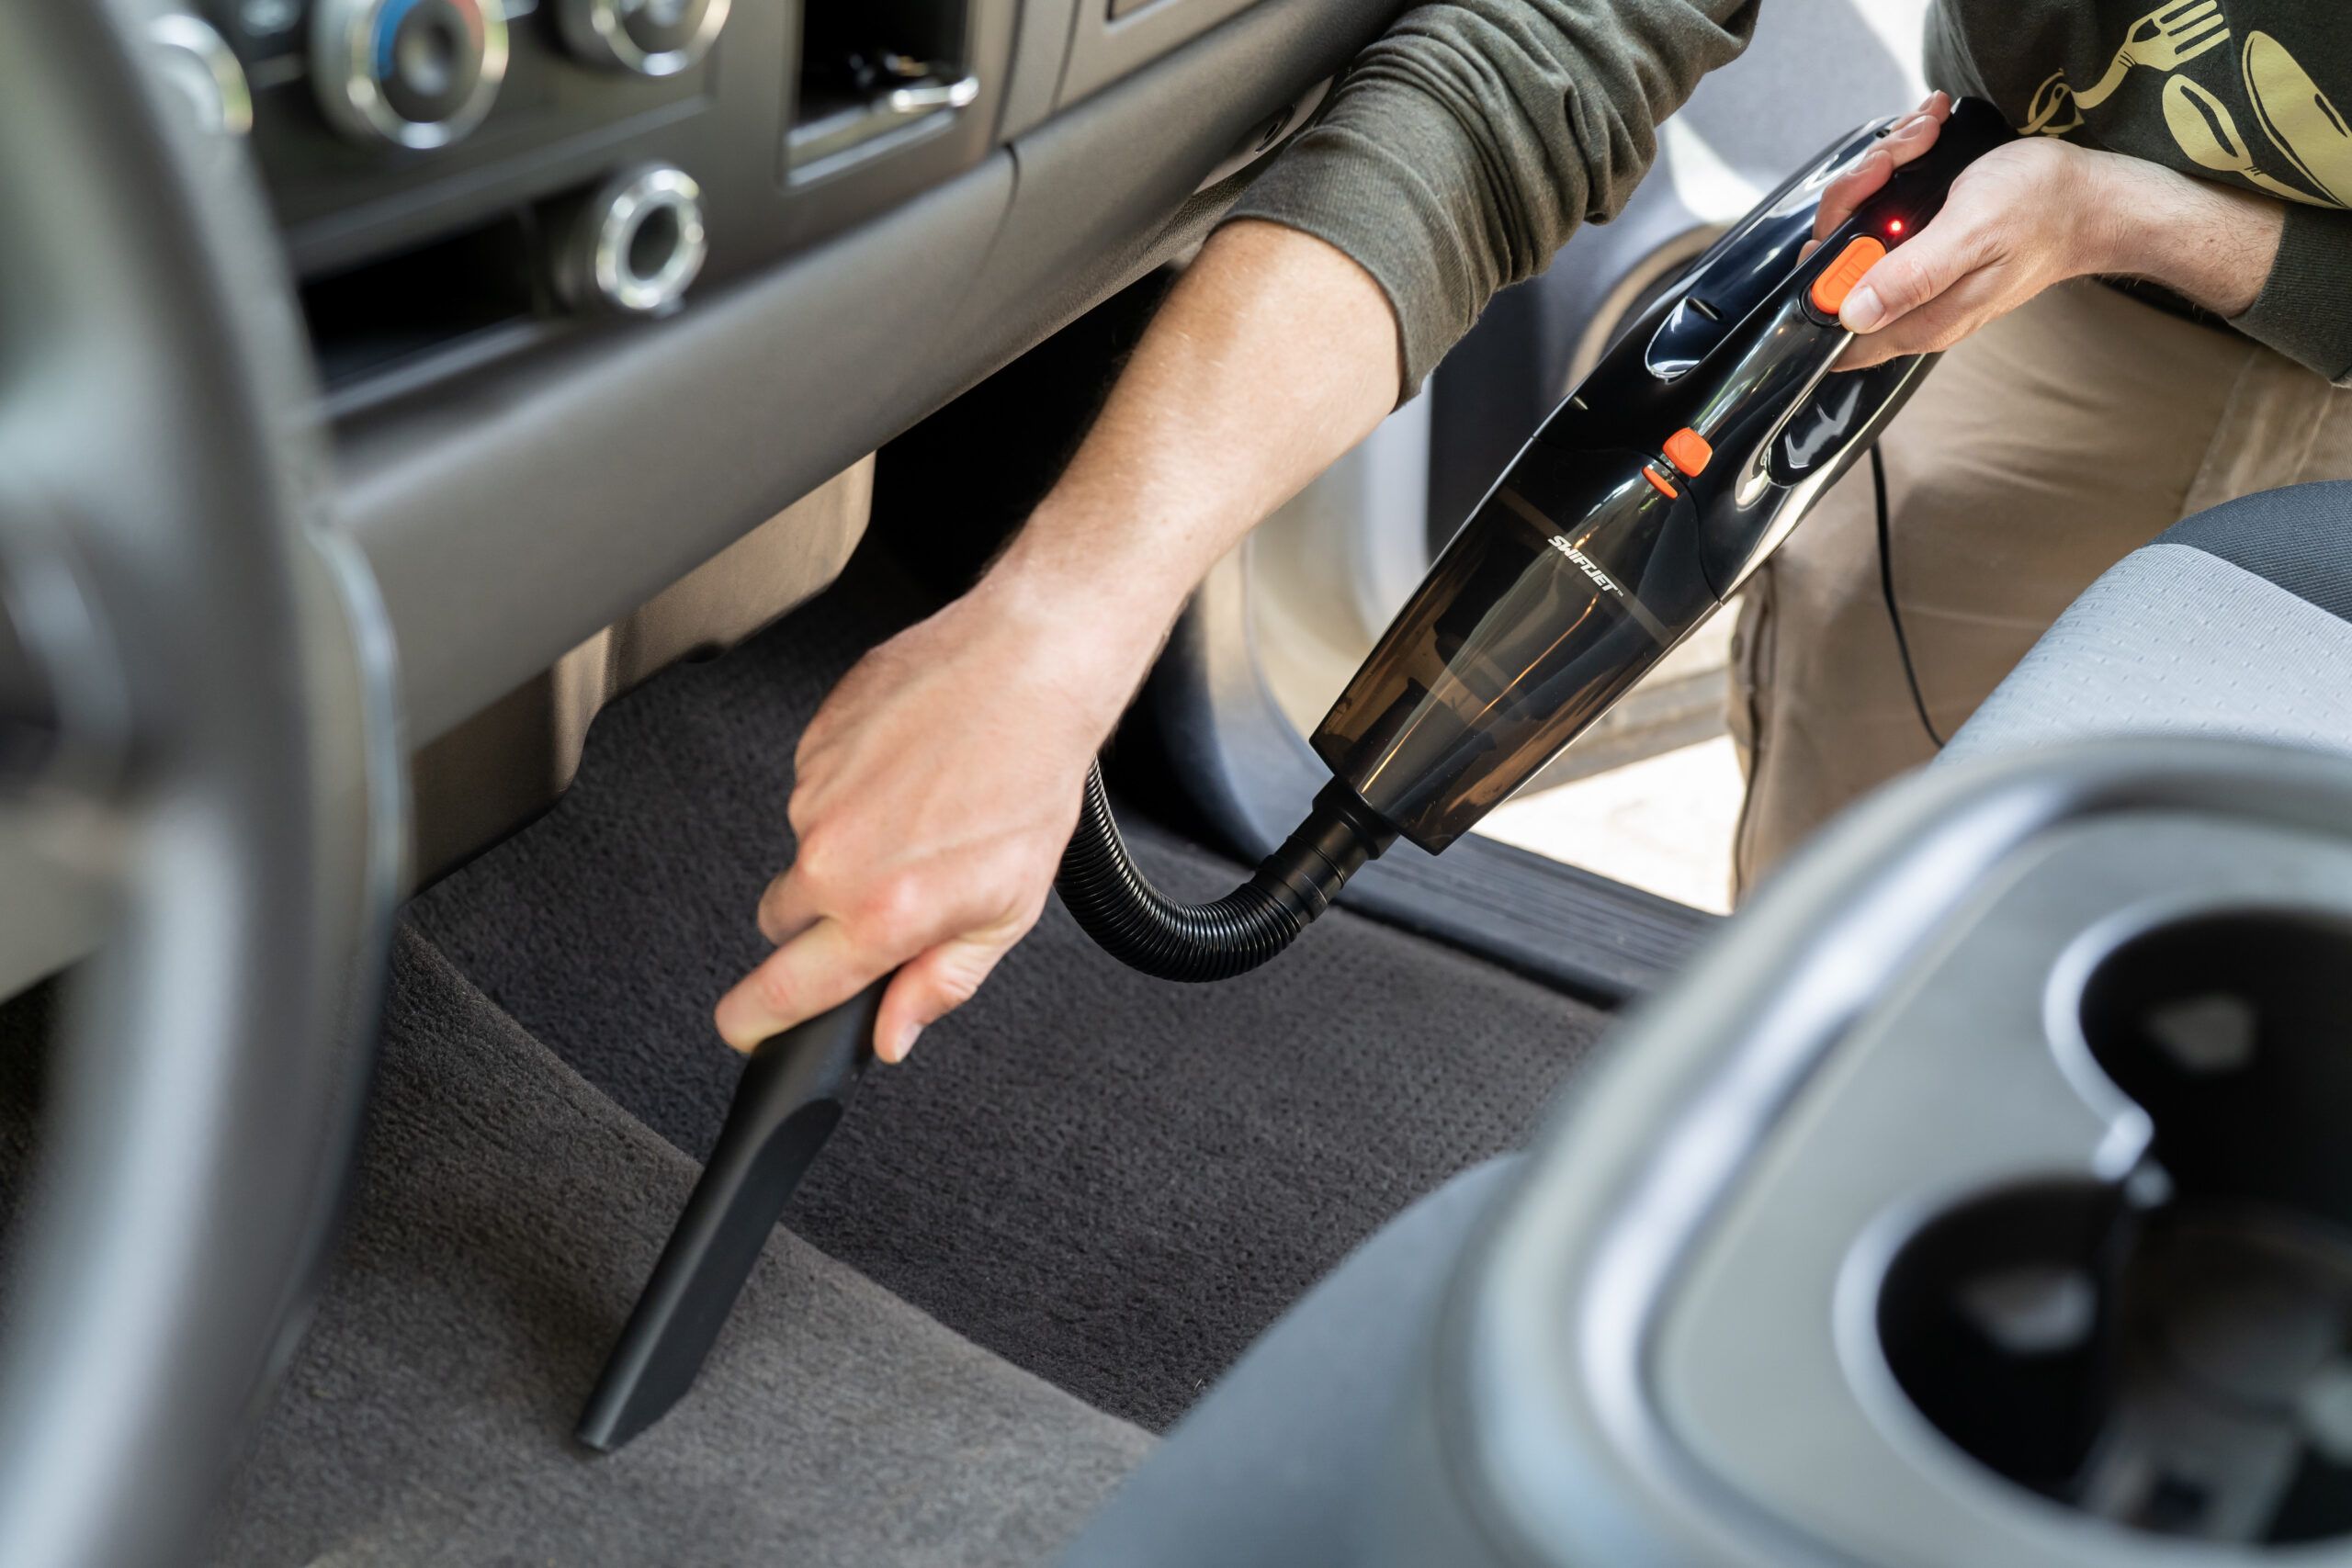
(2301, 124)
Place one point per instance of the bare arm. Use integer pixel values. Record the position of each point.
(1273, 355)
(939, 782)
(2205, 241)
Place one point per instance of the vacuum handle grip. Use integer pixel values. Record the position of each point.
(814, 1063)
(788, 1103)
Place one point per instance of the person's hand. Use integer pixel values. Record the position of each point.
(2015, 221)
(938, 785)
(934, 792)
(2035, 212)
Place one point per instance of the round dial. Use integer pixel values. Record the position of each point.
(416, 72)
(654, 38)
(639, 241)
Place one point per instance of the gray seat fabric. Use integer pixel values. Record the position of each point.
(507, 1214)
(2235, 623)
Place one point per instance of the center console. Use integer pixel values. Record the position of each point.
(1980, 1198)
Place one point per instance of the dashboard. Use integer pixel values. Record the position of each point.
(597, 287)
(442, 168)
(612, 301)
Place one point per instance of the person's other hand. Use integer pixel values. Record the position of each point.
(2029, 214)
(934, 792)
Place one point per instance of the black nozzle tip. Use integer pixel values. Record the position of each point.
(615, 1416)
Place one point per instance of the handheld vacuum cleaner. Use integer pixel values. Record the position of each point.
(1632, 514)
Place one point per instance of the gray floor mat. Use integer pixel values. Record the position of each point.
(507, 1211)
(1115, 1182)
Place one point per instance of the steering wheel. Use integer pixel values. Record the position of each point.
(195, 699)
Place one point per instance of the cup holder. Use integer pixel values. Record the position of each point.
(2172, 1351)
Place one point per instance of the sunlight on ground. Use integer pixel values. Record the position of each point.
(1664, 824)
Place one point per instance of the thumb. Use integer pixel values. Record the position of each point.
(1911, 275)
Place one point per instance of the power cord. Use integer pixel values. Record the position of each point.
(1886, 588)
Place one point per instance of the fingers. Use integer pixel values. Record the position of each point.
(1849, 191)
(788, 907)
(824, 965)
(929, 988)
(1935, 107)
(835, 937)
(1905, 140)
(821, 968)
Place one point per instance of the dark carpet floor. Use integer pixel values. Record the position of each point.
(1114, 1182)
(504, 1212)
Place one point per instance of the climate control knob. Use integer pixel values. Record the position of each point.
(418, 74)
(634, 243)
(653, 38)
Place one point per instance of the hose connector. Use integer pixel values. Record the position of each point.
(1143, 928)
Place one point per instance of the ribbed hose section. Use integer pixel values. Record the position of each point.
(1144, 928)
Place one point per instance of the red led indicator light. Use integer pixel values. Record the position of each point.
(1894, 225)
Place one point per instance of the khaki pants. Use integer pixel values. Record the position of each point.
(2041, 451)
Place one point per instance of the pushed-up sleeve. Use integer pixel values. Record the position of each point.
(1464, 148)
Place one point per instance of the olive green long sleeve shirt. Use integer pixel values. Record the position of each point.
(1467, 145)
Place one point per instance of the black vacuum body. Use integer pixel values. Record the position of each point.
(1644, 501)
(1638, 507)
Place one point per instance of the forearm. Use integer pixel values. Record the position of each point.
(2205, 241)
(1273, 355)
(1459, 154)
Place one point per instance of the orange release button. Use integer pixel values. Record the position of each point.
(1837, 280)
(1688, 450)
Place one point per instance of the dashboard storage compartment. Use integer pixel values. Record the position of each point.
(876, 74)
(381, 317)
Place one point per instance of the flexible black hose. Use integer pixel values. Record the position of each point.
(1143, 928)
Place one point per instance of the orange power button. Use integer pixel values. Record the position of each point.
(1837, 280)
(1688, 450)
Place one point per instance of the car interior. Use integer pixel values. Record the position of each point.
(449, 448)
